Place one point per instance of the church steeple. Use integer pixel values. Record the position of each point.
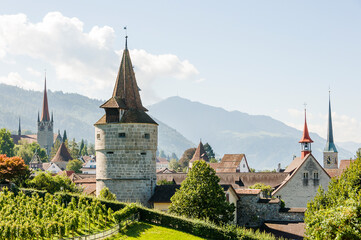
(305, 140)
(330, 154)
(45, 113)
(330, 146)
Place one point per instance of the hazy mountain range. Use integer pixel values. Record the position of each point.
(182, 123)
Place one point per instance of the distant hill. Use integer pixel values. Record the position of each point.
(73, 112)
(265, 141)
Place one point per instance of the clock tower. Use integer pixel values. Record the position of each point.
(330, 154)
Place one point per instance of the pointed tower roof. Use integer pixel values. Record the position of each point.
(330, 146)
(126, 91)
(45, 113)
(200, 153)
(125, 97)
(62, 155)
(306, 136)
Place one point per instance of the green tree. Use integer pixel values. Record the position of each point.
(165, 182)
(174, 156)
(200, 196)
(84, 151)
(52, 184)
(6, 143)
(106, 194)
(74, 149)
(54, 148)
(162, 154)
(27, 150)
(213, 160)
(252, 170)
(336, 214)
(266, 189)
(209, 150)
(74, 165)
(65, 137)
(81, 146)
(174, 165)
(91, 149)
(186, 157)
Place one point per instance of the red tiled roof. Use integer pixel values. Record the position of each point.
(229, 163)
(306, 136)
(200, 154)
(62, 155)
(344, 164)
(89, 189)
(248, 191)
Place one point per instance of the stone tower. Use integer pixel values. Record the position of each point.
(45, 135)
(305, 140)
(126, 141)
(330, 154)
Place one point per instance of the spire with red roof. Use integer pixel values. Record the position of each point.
(45, 113)
(305, 140)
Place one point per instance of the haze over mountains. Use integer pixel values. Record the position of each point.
(182, 123)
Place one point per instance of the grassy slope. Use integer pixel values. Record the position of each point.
(147, 231)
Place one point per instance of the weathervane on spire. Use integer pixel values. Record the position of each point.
(126, 37)
(305, 104)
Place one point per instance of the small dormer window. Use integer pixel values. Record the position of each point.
(315, 175)
(121, 135)
(305, 175)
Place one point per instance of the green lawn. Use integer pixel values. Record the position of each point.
(147, 231)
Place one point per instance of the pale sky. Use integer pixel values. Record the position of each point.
(259, 57)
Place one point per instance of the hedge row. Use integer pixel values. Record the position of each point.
(196, 227)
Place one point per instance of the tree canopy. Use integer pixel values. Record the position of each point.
(52, 184)
(186, 157)
(6, 143)
(209, 151)
(74, 165)
(336, 214)
(13, 169)
(106, 194)
(200, 196)
(26, 151)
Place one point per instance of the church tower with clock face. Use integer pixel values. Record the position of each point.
(330, 154)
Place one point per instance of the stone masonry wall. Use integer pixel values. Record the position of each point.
(126, 160)
(253, 211)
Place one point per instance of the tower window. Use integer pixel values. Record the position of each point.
(121, 135)
(110, 152)
(98, 136)
(143, 153)
(146, 135)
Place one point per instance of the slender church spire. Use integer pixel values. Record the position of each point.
(330, 145)
(305, 136)
(305, 140)
(45, 113)
(19, 130)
